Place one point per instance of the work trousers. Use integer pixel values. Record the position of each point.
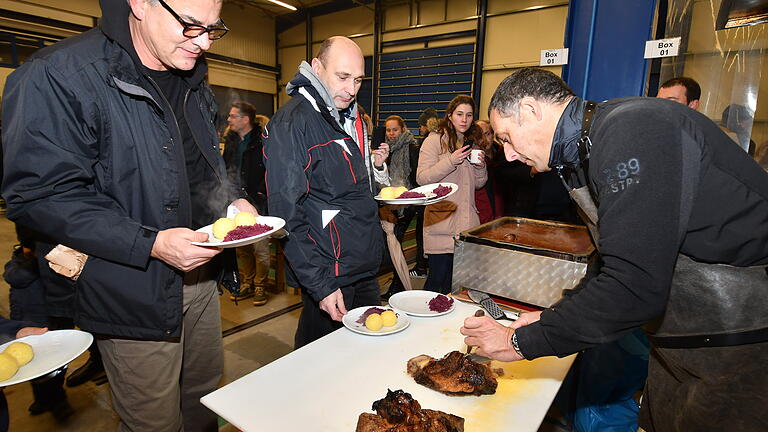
(706, 389)
(315, 323)
(440, 276)
(156, 385)
(253, 264)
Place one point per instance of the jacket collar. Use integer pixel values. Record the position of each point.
(114, 25)
(565, 151)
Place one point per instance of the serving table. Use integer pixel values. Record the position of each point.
(326, 385)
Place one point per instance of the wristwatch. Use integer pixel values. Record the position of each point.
(515, 345)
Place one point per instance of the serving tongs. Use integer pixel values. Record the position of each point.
(491, 306)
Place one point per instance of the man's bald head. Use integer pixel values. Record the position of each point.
(339, 65)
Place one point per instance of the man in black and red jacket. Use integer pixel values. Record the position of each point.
(320, 179)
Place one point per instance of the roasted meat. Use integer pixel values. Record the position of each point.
(454, 374)
(399, 412)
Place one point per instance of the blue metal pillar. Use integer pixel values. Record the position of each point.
(607, 39)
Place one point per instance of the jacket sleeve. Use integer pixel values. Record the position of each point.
(481, 175)
(288, 174)
(52, 156)
(9, 328)
(637, 175)
(431, 169)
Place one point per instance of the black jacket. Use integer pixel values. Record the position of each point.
(309, 172)
(252, 175)
(641, 146)
(89, 162)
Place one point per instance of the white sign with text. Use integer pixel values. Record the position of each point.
(662, 48)
(554, 57)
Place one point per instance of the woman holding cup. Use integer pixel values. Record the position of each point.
(445, 157)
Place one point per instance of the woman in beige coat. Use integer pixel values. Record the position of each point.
(443, 158)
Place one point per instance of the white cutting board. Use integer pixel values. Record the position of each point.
(325, 385)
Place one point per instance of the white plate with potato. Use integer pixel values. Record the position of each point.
(275, 223)
(350, 321)
(389, 195)
(51, 350)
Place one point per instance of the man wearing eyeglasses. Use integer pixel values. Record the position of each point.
(111, 150)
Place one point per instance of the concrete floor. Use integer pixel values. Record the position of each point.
(244, 352)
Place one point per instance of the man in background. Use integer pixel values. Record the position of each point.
(321, 175)
(682, 90)
(245, 167)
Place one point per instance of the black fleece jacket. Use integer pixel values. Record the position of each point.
(635, 175)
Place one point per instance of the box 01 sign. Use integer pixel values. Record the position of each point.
(554, 57)
(662, 48)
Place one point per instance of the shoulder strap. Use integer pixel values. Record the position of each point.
(584, 143)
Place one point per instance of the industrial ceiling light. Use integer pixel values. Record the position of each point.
(285, 5)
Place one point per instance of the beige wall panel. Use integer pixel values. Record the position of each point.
(290, 58)
(73, 11)
(349, 22)
(366, 44)
(431, 12)
(449, 42)
(396, 17)
(294, 35)
(4, 72)
(429, 31)
(499, 6)
(491, 80)
(251, 36)
(458, 9)
(235, 76)
(520, 37)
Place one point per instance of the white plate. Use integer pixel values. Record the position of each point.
(430, 187)
(52, 349)
(275, 222)
(416, 303)
(407, 201)
(350, 322)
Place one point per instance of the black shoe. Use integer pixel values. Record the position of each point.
(418, 274)
(90, 370)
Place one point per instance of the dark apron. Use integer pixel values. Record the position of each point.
(709, 351)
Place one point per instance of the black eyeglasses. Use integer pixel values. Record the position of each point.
(195, 30)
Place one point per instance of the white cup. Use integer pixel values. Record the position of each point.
(475, 156)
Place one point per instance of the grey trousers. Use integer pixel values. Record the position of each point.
(157, 385)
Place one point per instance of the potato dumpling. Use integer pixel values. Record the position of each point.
(400, 190)
(222, 226)
(373, 322)
(8, 366)
(388, 193)
(21, 352)
(245, 218)
(388, 318)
